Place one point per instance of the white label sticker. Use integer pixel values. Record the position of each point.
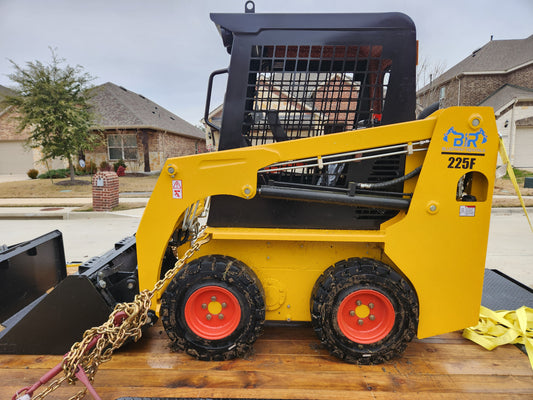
(467, 211)
(177, 189)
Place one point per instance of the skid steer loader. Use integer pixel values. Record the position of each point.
(326, 200)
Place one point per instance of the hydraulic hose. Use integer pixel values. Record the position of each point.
(380, 185)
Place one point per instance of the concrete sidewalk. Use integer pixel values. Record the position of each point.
(66, 213)
(63, 201)
(63, 208)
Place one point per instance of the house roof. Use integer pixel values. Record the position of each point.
(505, 94)
(497, 56)
(120, 108)
(4, 92)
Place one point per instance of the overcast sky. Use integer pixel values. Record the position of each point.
(165, 49)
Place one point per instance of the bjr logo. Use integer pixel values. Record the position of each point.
(465, 139)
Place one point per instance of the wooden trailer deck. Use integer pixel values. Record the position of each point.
(289, 363)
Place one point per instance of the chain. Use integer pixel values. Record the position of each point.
(111, 335)
(51, 387)
(200, 240)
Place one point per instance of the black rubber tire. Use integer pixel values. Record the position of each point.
(227, 273)
(356, 274)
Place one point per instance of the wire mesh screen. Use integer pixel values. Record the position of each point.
(302, 91)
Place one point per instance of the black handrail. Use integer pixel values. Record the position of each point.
(208, 97)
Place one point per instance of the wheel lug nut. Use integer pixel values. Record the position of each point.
(370, 305)
(220, 316)
(208, 317)
(371, 317)
(360, 322)
(224, 305)
(213, 298)
(204, 306)
(352, 313)
(358, 302)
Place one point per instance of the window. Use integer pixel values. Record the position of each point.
(442, 94)
(122, 147)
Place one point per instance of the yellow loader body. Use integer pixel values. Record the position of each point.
(438, 244)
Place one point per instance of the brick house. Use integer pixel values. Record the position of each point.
(513, 107)
(139, 131)
(135, 129)
(499, 75)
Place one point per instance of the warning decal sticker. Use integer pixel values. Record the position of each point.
(177, 189)
(467, 211)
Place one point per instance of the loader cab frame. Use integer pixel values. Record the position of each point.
(303, 75)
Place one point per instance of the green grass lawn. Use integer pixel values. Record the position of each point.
(520, 175)
(44, 188)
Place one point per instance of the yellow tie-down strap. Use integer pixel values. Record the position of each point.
(510, 172)
(496, 328)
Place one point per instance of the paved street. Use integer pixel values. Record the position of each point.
(510, 247)
(83, 238)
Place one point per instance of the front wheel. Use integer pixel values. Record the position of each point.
(363, 311)
(214, 308)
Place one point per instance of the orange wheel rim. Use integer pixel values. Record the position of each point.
(365, 316)
(212, 312)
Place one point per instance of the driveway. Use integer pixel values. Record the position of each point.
(13, 177)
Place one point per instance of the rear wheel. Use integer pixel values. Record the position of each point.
(363, 311)
(214, 308)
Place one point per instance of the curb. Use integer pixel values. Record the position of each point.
(61, 213)
(510, 210)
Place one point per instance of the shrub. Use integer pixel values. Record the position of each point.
(55, 174)
(89, 169)
(121, 171)
(105, 166)
(32, 173)
(119, 163)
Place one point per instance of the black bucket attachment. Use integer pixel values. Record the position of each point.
(43, 310)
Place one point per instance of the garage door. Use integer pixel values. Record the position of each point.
(14, 158)
(523, 157)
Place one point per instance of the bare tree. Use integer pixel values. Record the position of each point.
(427, 71)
